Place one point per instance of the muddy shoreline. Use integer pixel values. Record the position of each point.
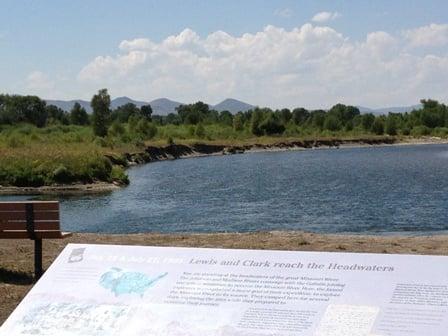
(181, 151)
(16, 256)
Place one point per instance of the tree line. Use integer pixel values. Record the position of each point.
(15, 109)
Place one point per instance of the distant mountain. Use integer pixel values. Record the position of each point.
(232, 105)
(164, 106)
(67, 105)
(120, 101)
(161, 106)
(386, 110)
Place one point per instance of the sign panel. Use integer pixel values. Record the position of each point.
(130, 290)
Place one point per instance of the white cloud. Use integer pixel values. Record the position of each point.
(37, 83)
(284, 12)
(433, 35)
(104, 66)
(322, 17)
(135, 44)
(312, 66)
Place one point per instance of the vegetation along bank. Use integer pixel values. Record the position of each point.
(44, 149)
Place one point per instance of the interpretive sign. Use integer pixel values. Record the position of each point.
(130, 290)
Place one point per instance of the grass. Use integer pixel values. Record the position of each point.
(35, 157)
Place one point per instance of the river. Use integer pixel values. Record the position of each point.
(369, 190)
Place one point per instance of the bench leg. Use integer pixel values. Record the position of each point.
(38, 271)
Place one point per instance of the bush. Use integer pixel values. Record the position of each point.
(390, 126)
(101, 142)
(119, 176)
(378, 126)
(200, 131)
(332, 123)
(406, 131)
(146, 129)
(62, 175)
(271, 126)
(420, 131)
(440, 132)
(117, 129)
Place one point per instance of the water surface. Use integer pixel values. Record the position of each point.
(382, 190)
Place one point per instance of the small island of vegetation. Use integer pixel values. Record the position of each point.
(43, 145)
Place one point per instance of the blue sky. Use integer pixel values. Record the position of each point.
(68, 49)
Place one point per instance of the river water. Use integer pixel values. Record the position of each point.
(380, 190)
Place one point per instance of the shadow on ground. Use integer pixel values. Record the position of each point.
(15, 277)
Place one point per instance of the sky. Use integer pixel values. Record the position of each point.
(268, 53)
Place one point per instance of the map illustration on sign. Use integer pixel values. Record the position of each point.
(121, 282)
(106, 290)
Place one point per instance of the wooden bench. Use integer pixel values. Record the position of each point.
(31, 220)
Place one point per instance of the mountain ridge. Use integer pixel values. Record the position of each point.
(160, 106)
(165, 106)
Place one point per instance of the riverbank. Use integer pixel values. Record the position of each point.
(72, 189)
(16, 257)
(154, 153)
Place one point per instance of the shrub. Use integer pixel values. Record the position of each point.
(406, 131)
(119, 176)
(332, 123)
(146, 129)
(440, 132)
(271, 125)
(117, 129)
(378, 126)
(100, 142)
(420, 131)
(62, 175)
(200, 131)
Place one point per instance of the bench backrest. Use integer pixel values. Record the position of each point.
(30, 219)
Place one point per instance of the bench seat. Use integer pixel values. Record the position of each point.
(35, 220)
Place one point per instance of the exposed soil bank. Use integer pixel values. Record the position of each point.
(175, 151)
(16, 256)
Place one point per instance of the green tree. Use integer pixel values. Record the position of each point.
(226, 118)
(390, 126)
(378, 126)
(146, 112)
(146, 129)
(271, 124)
(300, 115)
(255, 122)
(317, 119)
(193, 114)
(101, 112)
(124, 112)
(78, 115)
(367, 121)
(238, 123)
(332, 123)
(56, 115)
(28, 109)
(284, 115)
